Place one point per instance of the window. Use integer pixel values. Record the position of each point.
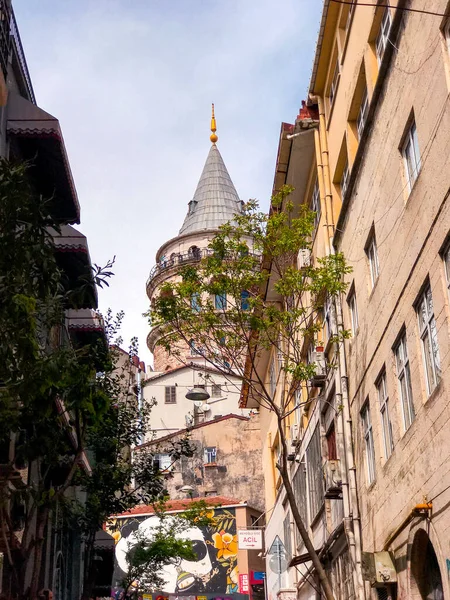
(331, 443)
(351, 10)
(315, 473)
(372, 255)
(272, 379)
(162, 462)
(287, 529)
(345, 177)
(404, 381)
(209, 455)
(446, 259)
(315, 205)
(334, 82)
(216, 390)
(428, 336)
(171, 394)
(362, 114)
(195, 302)
(353, 310)
(245, 305)
(220, 301)
(299, 485)
(447, 33)
(411, 155)
(328, 318)
(383, 34)
(280, 354)
(386, 425)
(368, 438)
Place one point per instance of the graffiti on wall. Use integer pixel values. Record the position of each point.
(215, 569)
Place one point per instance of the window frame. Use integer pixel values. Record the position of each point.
(272, 378)
(363, 111)
(367, 428)
(316, 206)
(411, 153)
(245, 295)
(170, 394)
(383, 35)
(428, 339)
(209, 452)
(314, 462)
(446, 260)
(334, 82)
(403, 372)
(386, 423)
(345, 178)
(160, 458)
(196, 302)
(372, 257)
(220, 301)
(216, 390)
(353, 311)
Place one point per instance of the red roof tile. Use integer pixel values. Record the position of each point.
(177, 505)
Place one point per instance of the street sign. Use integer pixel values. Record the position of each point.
(277, 547)
(250, 539)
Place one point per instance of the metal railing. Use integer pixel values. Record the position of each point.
(176, 260)
(21, 54)
(5, 38)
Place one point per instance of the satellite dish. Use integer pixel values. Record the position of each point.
(205, 408)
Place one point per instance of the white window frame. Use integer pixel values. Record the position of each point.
(220, 301)
(372, 256)
(164, 461)
(383, 34)
(170, 394)
(404, 381)
(386, 423)
(362, 113)
(334, 82)
(316, 205)
(316, 491)
(353, 310)
(369, 442)
(328, 318)
(428, 337)
(411, 155)
(216, 390)
(344, 180)
(351, 10)
(209, 455)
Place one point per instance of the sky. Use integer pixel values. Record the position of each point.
(132, 81)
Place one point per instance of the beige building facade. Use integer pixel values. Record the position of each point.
(379, 183)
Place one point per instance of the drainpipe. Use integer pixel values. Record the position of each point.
(352, 523)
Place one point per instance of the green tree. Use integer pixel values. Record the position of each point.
(268, 305)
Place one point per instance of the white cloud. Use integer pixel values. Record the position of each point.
(132, 82)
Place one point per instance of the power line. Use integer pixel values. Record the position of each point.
(415, 10)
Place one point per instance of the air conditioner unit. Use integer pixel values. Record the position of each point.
(333, 479)
(295, 435)
(304, 258)
(320, 376)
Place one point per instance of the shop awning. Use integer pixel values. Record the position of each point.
(36, 136)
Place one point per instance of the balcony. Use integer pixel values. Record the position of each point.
(5, 30)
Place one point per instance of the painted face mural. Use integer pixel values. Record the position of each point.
(215, 547)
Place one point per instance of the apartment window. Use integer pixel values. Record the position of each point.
(372, 255)
(351, 10)
(353, 310)
(344, 180)
(209, 455)
(446, 258)
(245, 305)
(315, 473)
(300, 493)
(331, 443)
(386, 424)
(368, 440)
(334, 82)
(162, 462)
(428, 336)
(315, 205)
(383, 34)
(404, 381)
(216, 390)
(220, 301)
(328, 318)
(411, 155)
(287, 529)
(272, 379)
(362, 114)
(170, 395)
(195, 302)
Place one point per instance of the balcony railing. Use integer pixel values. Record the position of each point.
(176, 260)
(20, 53)
(5, 39)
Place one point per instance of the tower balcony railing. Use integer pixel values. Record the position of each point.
(180, 259)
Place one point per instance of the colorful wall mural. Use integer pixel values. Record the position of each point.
(215, 569)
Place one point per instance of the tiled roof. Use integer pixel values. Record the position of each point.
(215, 200)
(177, 505)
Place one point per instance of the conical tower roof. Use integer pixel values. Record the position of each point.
(215, 200)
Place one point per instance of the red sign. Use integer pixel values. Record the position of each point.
(243, 583)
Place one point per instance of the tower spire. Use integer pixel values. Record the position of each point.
(213, 137)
